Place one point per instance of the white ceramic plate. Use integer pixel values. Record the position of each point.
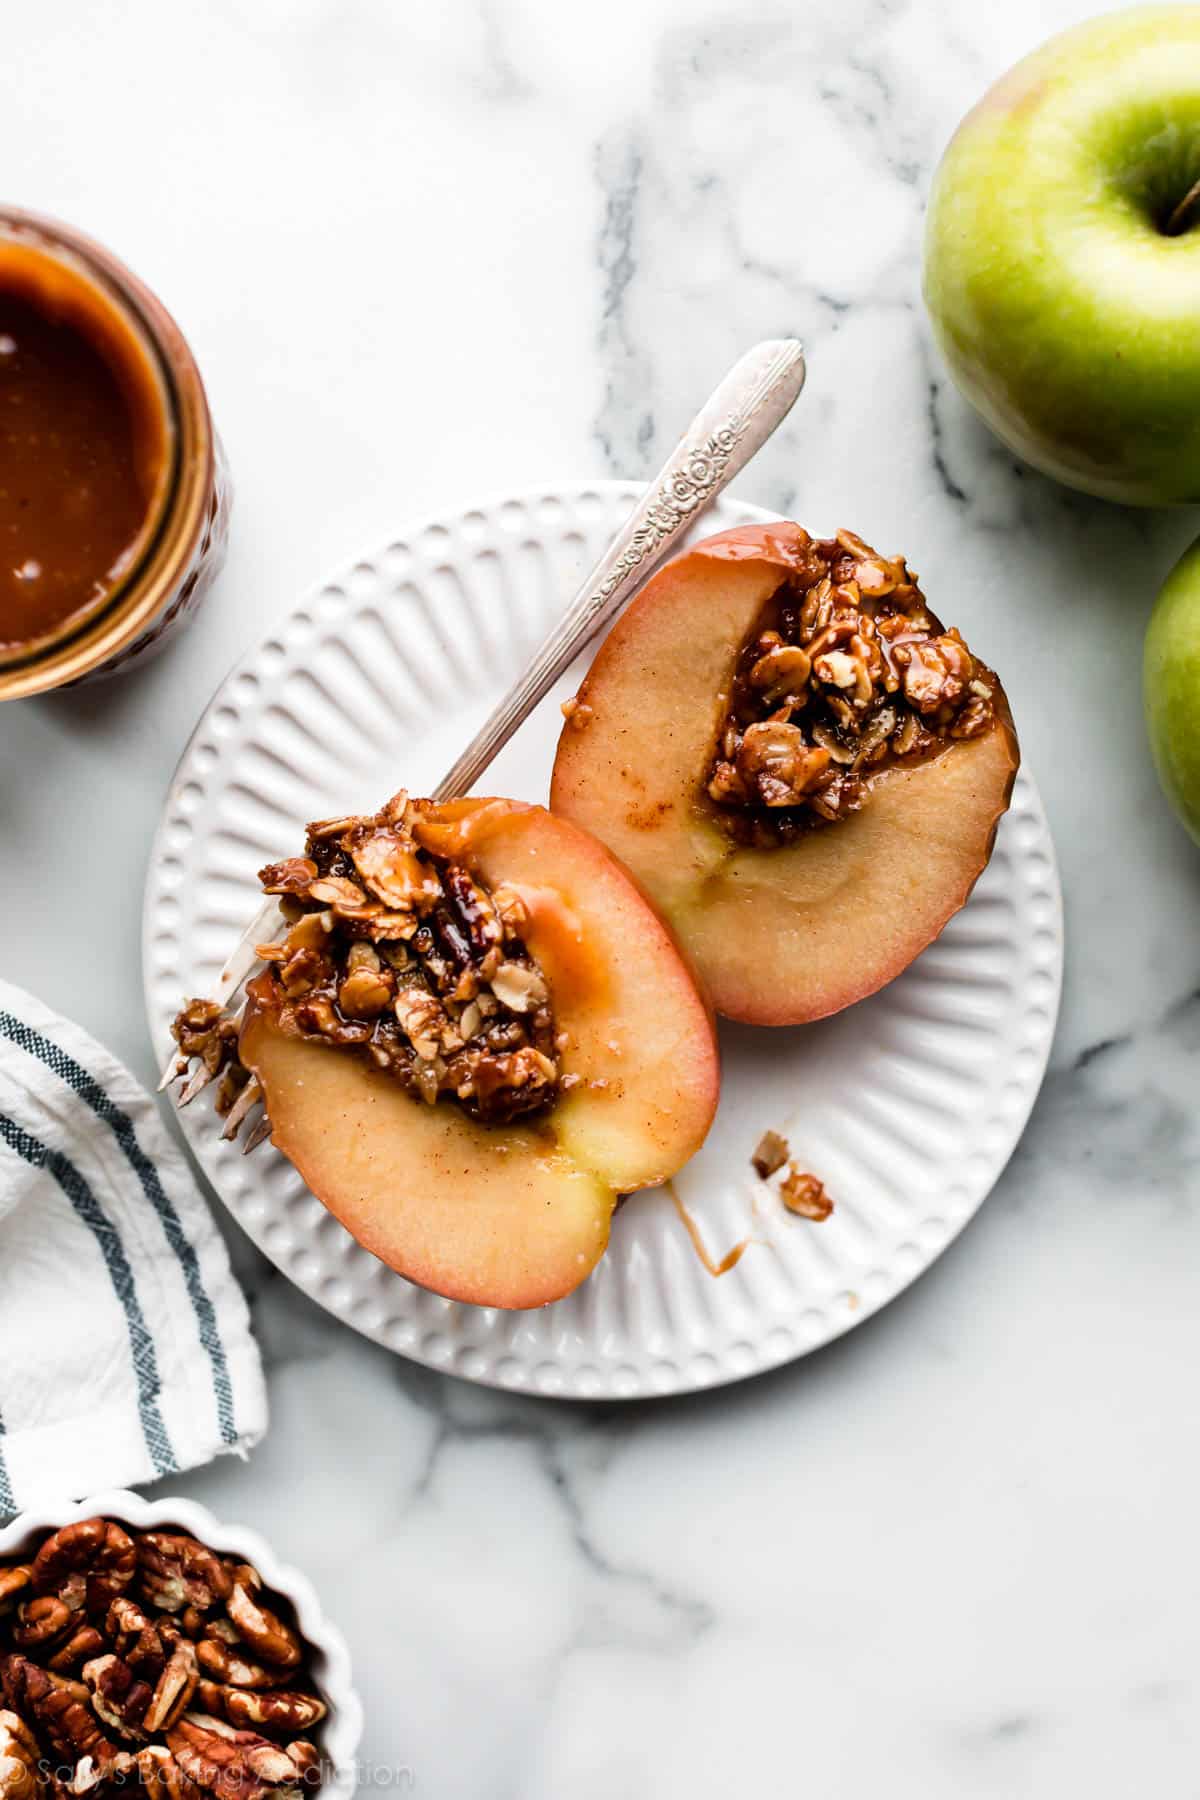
(907, 1106)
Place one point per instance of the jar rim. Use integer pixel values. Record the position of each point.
(180, 513)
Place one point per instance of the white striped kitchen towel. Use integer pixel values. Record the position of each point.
(125, 1343)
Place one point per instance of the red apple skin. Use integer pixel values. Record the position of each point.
(779, 936)
(513, 1216)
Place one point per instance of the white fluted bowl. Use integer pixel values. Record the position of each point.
(341, 1731)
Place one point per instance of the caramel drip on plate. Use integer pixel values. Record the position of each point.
(731, 1258)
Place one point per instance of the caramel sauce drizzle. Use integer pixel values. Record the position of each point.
(731, 1258)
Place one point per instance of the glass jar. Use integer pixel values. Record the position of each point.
(180, 547)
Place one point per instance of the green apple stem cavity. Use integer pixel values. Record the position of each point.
(1185, 214)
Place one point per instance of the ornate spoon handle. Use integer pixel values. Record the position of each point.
(739, 417)
(755, 396)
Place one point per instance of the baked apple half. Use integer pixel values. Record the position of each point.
(799, 764)
(474, 1035)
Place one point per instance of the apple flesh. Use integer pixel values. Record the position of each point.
(1062, 256)
(796, 931)
(1171, 687)
(514, 1215)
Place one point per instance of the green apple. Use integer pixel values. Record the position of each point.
(1062, 256)
(1171, 687)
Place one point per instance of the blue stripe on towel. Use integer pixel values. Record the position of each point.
(8, 1504)
(88, 1088)
(88, 1208)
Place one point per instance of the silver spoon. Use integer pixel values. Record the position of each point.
(735, 422)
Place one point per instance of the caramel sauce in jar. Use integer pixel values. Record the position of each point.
(113, 495)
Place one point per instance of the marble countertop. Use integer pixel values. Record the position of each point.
(429, 252)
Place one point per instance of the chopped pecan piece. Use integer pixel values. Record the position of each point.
(936, 671)
(577, 713)
(422, 1019)
(770, 1154)
(133, 1634)
(775, 761)
(398, 951)
(294, 875)
(845, 667)
(974, 718)
(804, 1194)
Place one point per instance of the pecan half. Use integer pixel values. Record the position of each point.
(229, 1664)
(20, 1778)
(306, 1759)
(88, 1563)
(60, 1712)
(268, 1636)
(161, 1776)
(176, 1571)
(133, 1634)
(175, 1687)
(279, 1712)
(84, 1643)
(14, 1581)
(233, 1764)
(42, 1621)
(119, 1698)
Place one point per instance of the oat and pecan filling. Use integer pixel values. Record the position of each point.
(142, 1660)
(405, 958)
(847, 673)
